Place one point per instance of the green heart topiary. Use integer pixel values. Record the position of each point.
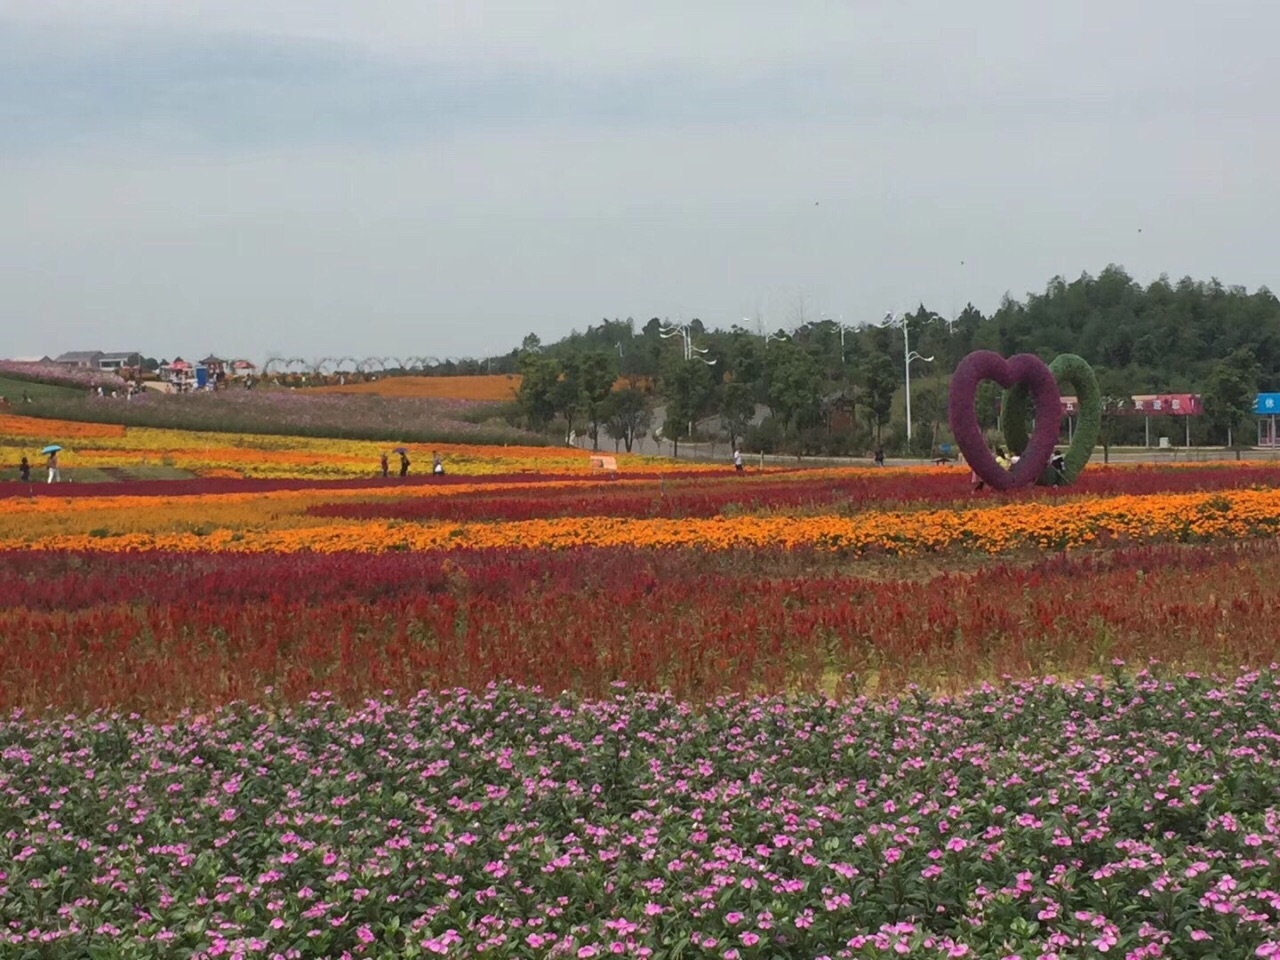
(1068, 369)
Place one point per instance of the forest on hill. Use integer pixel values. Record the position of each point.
(837, 389)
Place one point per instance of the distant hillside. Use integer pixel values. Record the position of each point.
(490, 388)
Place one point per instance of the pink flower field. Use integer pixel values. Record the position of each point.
(1133, 817)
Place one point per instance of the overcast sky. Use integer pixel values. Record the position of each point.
(316, 177)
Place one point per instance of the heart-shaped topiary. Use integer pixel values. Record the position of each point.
(1026, 369)
(1067, 369)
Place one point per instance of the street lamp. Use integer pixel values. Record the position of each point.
(907, 356)
(681, 332)
(842, 327)
(767, 336)
(690, 351)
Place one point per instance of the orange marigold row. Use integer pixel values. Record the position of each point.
(996, 529)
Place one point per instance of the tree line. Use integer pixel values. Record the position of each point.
(822, 388)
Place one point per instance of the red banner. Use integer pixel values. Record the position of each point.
(1149, 405)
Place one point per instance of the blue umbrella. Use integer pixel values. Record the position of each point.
(400, 450)
(52, 448)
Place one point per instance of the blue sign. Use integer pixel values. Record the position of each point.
(1267, 404)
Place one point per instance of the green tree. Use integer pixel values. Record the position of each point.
(536, 398)
(987, 404)
(1229, 393)
(1162, 337)
(795, 386)
(928, 409)
(627, 415)
(568, 396)
(879, 379)
(596, 374)
(737, 410)
(1116, 397)
(688, 388)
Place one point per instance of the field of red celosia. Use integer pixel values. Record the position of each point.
(669, 715)
(156, 632)
(826, 492)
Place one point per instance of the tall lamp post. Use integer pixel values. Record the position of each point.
(768, 337)
(842, 327)
(907, 356)
(690, 351)
(682, 332)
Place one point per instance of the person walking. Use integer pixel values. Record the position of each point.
(437, 465)
(404, 464)
(879, 456)
(737, 461)
(1058, 466)
(386, 466)
(24, 471)
(54, 475)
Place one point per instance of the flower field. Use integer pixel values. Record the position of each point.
(795, 510)
(154, 632)
(527, 711)
(285, 412)
(56, 375)
(488, 388)
(262, 456)
(485, 388)
(1041, 819)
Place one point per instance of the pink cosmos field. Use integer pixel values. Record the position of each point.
(1130, 816)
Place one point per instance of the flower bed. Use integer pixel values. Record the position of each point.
(154, 632)
(278, 457)
(827, 492)
(1043, 819)
(293, 413)
(1012, 527)
(59, 376)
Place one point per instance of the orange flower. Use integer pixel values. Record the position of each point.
(1046, 526)
(34, 427)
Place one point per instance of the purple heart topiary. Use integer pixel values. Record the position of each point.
(1027, 369)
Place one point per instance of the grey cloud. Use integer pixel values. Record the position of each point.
(228, 91)
(246, 177)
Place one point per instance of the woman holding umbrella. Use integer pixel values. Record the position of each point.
(51, 452)
(404, 460)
